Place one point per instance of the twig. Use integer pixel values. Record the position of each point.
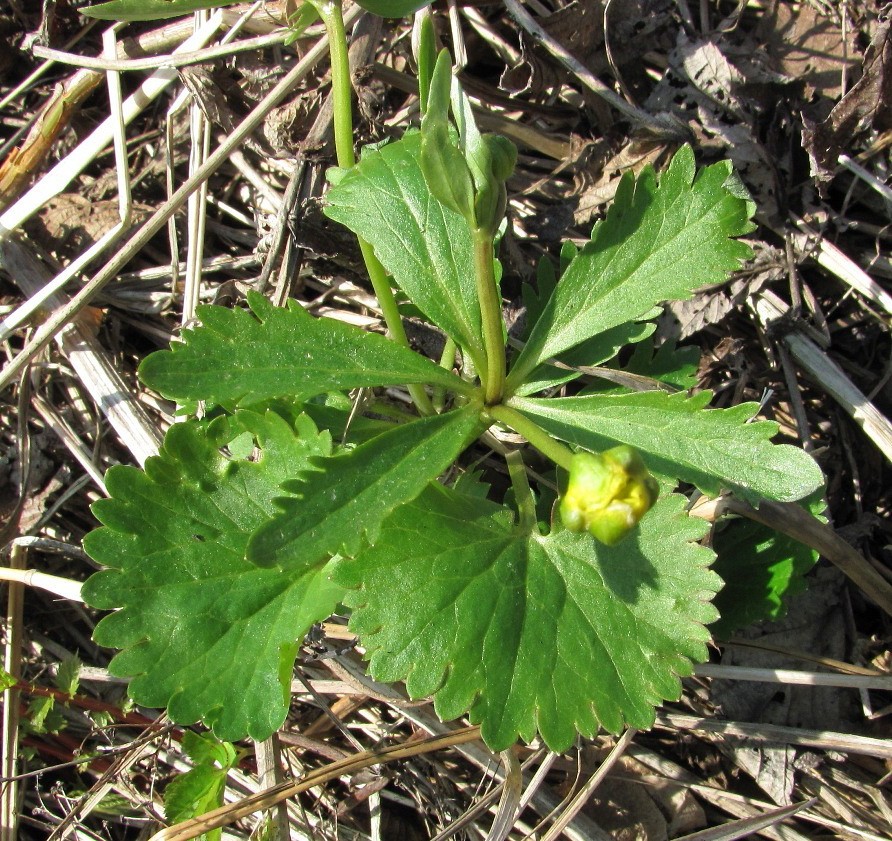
(226, 815)
(588, 789)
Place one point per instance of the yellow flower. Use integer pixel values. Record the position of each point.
(608, 493)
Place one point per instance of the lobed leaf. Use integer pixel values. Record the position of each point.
(425, 246)
(206, 633)
(660, 240)
(557, 634)
(348, 496)
(679, 438)
(238, 358)
(761, 569)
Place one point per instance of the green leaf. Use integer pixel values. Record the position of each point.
(239, 358)
(43, 716)
(669, 364)
(351, 494)
(595, 351)
(681, 439)
(442, 163)
(393, 8)
(761, 569)
(425, 246)
(148, 9)
(659, 241)
(68, 677)
(205, 633)
(201, 788)
(557, 634)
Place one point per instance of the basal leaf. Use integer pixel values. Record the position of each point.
(761, 569)
(351, 494)
(238, 358)
(424, 245)
(205, 633)
(681, 439)
(557, 634)
(659, 241)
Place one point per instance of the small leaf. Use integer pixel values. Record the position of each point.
(445, 171)
(425, 246)
(761, 569)
(659, 241)
(681, 439)
(557, 634)
(133, 10)
(393, 8)
(351, 494)
(201, 788)
(68, 677)
(675, 366)
(595, 351)
(238, 358)
(203, 630)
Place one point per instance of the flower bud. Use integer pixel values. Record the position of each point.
(608, 493)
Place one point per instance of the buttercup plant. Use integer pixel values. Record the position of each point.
(273, 511)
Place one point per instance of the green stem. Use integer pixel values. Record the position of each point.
(538, 437)
(447, 361)
(523, 496)
(342, 99)
(341, 88)
(491, 315)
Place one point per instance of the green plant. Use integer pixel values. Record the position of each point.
(263, 518)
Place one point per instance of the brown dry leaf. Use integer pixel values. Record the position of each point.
(867, 105)
(807, 46)
(815, 623)
(631, 158)
(634, 29)
(69, 223)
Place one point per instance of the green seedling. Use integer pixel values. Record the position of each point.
(282, 506)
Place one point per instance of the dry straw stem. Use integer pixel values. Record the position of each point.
(26, 159)
(226, 815)
(90, 361)
(159, 218)
(667, 128)
(747, 826)
(780, 735)
(828, 375)
(833, 260)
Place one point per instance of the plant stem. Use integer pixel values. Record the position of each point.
(447, 361)
(523, 496)
(491, 315)
(342, 99)
(538, 437)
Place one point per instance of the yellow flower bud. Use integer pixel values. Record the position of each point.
(608, 493)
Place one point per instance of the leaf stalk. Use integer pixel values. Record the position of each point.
(491, 315)
(331, 13)
(561, 455)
